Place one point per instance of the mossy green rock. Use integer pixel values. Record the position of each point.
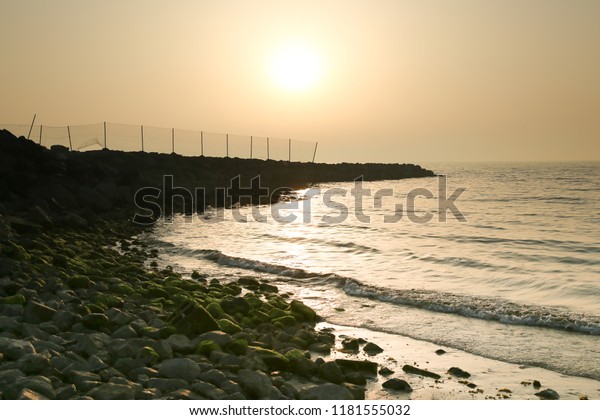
(17, 299)
(238, 347)
(286, 320)
(190, 318)
(148, 356)
(299, 308)
(273, 359)
(277, 313)
(293, 354)
(79, 282)
(206, 347)
(215, 310)
(259, 316)
(228, 326)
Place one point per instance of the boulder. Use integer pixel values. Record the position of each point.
(363, 366)
(255, 384)
(191, 319)
(331, 372)
(326, 392)
(180, 368)
(304, 312)
(14, 349)
(36, 313)
(33, 363)
(397, 385)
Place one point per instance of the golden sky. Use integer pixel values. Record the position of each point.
(388, 81)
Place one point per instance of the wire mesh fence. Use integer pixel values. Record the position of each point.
(140, 138)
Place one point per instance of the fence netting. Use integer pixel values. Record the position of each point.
(135, 138)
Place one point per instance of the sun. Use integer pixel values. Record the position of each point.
(295, 66)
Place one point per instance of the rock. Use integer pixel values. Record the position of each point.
(180, 368)
(36, 313)
(458, 372)
(167, 385)
(350, 344)
(192, 319)
(273, 359)
(33, 363)
(326, 392)
(228, 326)
(548, 394)
(364, 366)
(537, 384)
(28, 394)
(14, 349)
(206, 347)
(126, 331)
(78, 378)
(163, 349)
(219, 337)
(304, 367)
(66, 392)
(397, 385)
(64, 320)
(10, 376)
(268, 288)
(181, 344)
(439, 352)
(212, 376)
(372, 349)
(183, 394)
(355, 378)
(422, 372)
(96, 364)
(321, 348)
(331, 372)
(384, 371)
(38, 384)
(95, 321)
(234, 305)
(126, 365)
(357, 391)
(255, 384)
(111, 391)
(304, 312)
(209, 391)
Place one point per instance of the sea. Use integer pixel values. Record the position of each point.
(501, 260)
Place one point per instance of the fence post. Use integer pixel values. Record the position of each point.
(105, 134)
(267, 148)
(142, 129)
(227, 143)
(31, 127)
(69, 133)
(172, 140)
(41, 133)
(315, 152)
(290, 150)
(250, 147)
(202, 143)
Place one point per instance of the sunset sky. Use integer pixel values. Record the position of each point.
(388, 81)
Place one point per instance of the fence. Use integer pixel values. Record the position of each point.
(135, 138)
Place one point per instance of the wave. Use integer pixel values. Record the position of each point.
(492, 309)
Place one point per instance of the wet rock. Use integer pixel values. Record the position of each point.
(302, 311)
(66, 392)
(321, 348)
(350, 344)
(355, 378)
(273, 359)
(64, 320)
(304, 367)
(364, 366)
(255, 384)
(180, 368)
(79, 378)
(234, 305)
(458, 372)
(537, 384)
(183, 394)
(384, 371)
(439, 352)
(326, 392)
(212, 376)
(358, 392)
(209, 391)
(372, 349)
(397, 385)
(331, 372)
(38, 384)
(416, 371)
(547, 394)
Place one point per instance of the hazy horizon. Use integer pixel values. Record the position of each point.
(391, 81)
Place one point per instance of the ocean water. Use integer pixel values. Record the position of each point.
(512, 274)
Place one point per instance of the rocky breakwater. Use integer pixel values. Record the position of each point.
(84, 315)
(54, 186)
